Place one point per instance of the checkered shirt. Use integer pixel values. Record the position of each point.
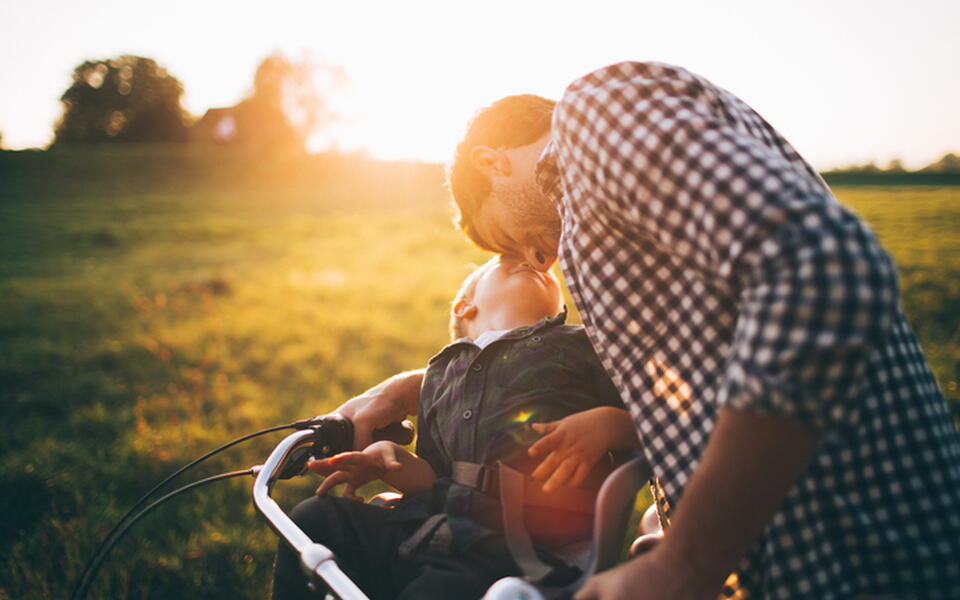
(713, 267)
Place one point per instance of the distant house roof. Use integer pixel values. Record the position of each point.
(217, 125)
(251, 123)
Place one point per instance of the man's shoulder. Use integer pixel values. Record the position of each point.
(638, 76)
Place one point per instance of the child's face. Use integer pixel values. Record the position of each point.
(509, 285)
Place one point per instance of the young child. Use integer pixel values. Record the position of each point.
(514, 373)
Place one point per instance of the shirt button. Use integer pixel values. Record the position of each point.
(467, 414)
(536, 339)
(477, 367)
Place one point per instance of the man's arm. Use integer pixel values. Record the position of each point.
(388, 402)
(747, 469)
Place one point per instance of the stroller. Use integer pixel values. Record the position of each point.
(614, 506)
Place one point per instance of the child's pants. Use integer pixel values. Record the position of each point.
(365, 545)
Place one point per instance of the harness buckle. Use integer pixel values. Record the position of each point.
(488, 481)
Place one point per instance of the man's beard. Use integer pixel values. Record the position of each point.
(531, 210)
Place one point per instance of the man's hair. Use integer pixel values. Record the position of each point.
(510, 122)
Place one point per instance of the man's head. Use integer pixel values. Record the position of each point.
(502, 294)
(493, 181)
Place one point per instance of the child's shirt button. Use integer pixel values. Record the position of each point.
(467, 414)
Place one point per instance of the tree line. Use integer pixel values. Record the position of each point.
(948, 163)
(134, 99)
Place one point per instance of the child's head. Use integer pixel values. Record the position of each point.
(502, 294)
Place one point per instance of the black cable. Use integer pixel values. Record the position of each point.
(85, 587)
(296, 425)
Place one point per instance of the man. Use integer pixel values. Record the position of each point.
(752, 327)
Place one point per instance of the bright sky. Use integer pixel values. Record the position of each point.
(847, 81)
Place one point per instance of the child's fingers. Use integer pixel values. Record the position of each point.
(332, 480)
(389, 459)
(322, 467)
(542, 428)
(545, 444)
(583, 469)
(560, 475)
(350, 492)
(347, 459)
(548, 466)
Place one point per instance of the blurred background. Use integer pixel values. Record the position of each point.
(220, 216)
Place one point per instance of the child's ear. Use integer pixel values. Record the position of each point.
(462, 309)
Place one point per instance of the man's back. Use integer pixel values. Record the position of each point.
(714, 269)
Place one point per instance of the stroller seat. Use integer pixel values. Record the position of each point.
(615, 503)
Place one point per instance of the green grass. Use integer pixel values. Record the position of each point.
(157, 303)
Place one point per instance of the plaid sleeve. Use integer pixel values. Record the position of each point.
(652, 151)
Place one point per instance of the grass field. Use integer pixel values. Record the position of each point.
(157, 303)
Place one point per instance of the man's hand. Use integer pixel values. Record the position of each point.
(356, 468)
(656, 575)
(572, 445)
(388, 402)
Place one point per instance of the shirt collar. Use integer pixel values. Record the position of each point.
(485, 338)
(513, 334)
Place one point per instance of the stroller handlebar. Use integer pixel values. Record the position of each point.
(317, 561)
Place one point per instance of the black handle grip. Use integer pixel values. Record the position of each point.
(333, 434)
(400, 432)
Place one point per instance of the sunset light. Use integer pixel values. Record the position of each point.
(847, 82)
(253, 227)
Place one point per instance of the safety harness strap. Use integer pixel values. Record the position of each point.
(514, 530)
(429, 527)
(484, 478)
(515, 491)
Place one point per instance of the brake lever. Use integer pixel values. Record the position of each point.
(296, 464)
(333, 434)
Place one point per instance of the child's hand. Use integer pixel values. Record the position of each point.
(574, 444)
(356, 468)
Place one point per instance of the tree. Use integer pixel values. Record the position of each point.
(895, 166)
(124, 99)
(290, 101)
(949, 163)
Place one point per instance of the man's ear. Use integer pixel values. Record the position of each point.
(462, 309)
(490, 161)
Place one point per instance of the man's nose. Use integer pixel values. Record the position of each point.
(538, 259)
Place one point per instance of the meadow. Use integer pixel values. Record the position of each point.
(157, 302)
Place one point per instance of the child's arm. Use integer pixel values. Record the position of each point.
(384, 460)
(385, 403)
(574, 444)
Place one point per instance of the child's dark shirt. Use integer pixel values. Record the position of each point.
(477, 405)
